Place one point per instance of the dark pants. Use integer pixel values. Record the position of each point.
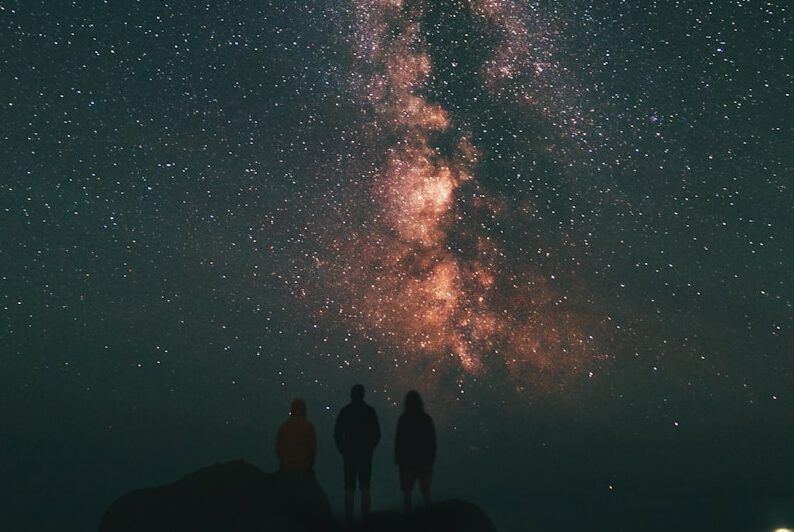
(409, 474)
(357, 467)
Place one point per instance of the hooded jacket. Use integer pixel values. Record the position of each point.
(415, 441)
(296, 442)
(357, 432)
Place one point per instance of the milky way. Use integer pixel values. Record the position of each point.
(422, 276)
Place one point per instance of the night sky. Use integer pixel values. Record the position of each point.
(567, 224)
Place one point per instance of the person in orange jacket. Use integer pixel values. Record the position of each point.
(296, 442)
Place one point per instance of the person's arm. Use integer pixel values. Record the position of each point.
(339, 439)
(432, 439)
(399, 442)
(375, 429)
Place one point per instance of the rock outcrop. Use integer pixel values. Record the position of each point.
(447, 516)
(234, 496)
(238, 497)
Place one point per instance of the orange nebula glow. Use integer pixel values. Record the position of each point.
(402, 283)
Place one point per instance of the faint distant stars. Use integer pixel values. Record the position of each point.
(513, 190)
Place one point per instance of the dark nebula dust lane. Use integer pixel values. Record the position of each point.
(429, 273)
(566, 223)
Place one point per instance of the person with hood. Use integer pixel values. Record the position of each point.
(356, 435)
(415, 449)
(296, 442)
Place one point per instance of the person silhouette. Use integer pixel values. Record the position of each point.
(415, 449)
(296, 441)
(356, 434)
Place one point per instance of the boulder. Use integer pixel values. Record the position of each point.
(446, 516)
(238, 497)
(233, 496)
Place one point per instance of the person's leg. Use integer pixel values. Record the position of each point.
(407, 479)
(364, 476)
(350, 501)
(425, 474)
(366, 502)
(350, 487)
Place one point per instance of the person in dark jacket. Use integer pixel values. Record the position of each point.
(356, 434)
(415, 449)
(296, 441)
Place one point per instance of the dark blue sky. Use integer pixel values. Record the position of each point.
(567, 225)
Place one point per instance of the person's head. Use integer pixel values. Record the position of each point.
(413, 402)
(297, 408)
(357, 392)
